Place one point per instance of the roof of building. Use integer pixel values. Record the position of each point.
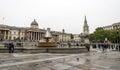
(118, 23)
(34, 23)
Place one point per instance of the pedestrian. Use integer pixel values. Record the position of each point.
(103, 48)
(69, 45)
(87, 44)
(105, 45)
(99, 46)
(11, 48)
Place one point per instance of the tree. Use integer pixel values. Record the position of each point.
(100, 34)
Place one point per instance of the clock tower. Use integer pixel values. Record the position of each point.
(85, 27)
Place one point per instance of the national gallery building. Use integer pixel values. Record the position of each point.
(32, 33)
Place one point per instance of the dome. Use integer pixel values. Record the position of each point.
(34, 23)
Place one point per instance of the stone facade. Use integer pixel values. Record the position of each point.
(32, 33)
(77, 37)
(115, 26)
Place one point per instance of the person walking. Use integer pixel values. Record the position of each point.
(11, 48)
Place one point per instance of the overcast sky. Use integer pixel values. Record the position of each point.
(60, 14)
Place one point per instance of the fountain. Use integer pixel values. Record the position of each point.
(48, 40)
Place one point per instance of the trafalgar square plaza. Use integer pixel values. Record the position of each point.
(62, 35)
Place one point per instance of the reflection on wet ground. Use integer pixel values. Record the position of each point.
(46, 61)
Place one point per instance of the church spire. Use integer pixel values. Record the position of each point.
(85, 27)
(85, 21)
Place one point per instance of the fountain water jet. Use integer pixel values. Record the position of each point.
(48, 40)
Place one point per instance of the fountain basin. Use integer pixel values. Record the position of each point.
(47, 44)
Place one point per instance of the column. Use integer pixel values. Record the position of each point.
(30, 35)
(38, 36)
(4, 35)
(35, 35)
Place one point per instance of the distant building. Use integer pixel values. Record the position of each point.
(115, 26)
(64, 37)
(32, 33)
(76, 37)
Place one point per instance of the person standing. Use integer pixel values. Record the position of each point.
(105, 44)
(103, 47)
(11, 48)
(87, 43)
(69, 45)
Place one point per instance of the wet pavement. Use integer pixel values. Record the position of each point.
(109, 60)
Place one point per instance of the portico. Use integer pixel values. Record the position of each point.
(4, 34)
(35, 35)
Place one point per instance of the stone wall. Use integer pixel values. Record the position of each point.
(46, 50)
